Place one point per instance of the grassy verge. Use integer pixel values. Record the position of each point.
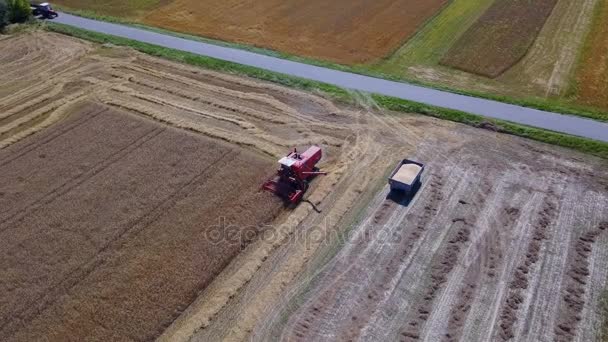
(581, 144)
(551, 105)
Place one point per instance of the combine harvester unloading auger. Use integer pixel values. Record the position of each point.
(294, 175)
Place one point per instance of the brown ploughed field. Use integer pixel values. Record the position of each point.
(116, 168)
(343, 31)
(500, 38)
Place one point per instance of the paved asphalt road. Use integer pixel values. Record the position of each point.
(527, 116)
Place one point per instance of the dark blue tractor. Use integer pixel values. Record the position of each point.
(43, 10)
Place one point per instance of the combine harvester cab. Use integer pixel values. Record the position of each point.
(406, 179)
(294, 174)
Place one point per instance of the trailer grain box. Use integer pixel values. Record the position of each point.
(406, 175)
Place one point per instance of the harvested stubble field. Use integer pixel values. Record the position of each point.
(507, 237)
(500, 38)
(506, 240)
(343, 31)
(492, 249)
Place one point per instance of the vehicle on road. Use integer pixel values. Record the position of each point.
(43, 10)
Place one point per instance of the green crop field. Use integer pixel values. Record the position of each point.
(430, 43)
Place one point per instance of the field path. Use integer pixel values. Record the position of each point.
(527, 116)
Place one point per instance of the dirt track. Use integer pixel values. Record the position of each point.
(501, 224)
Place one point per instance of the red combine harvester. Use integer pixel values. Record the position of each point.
(294, 174)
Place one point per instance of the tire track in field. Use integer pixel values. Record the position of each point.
(573, 297)
(175, 120)
(79, 274)
(425, 240)
(261, 121)
(19, 98)
(463, 223)
(519, 282)
(16, 126)
(487, 304)
(8, 115)
(73, 183)
(213, 95)
(501, 223)
(478, 265)
(370, 248)
(263, 110)
(266, 90)
(213, 103)
(26, 148)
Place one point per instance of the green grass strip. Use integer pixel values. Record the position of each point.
(390, 103)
